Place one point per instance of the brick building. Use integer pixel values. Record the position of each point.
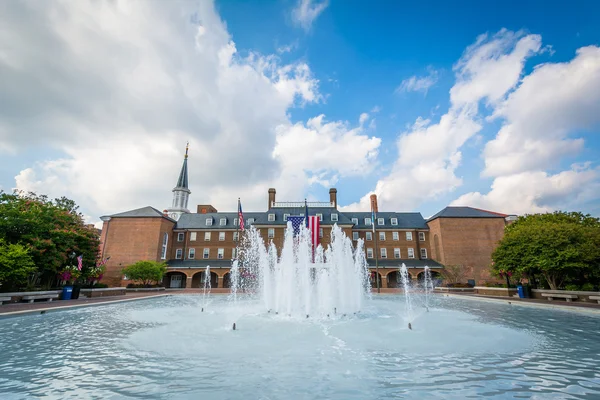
(188, 242)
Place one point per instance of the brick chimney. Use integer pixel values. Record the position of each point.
(271, 197)
(333, 196)
(165, 213)
(374, 203)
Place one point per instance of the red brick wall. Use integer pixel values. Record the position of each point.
(127, 240)
(468, 242)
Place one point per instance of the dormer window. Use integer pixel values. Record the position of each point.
(250, 221)
(223, 221)
(285, 217)
(271, 217)
(235, 222)
(394, 221)
(368, 221)
(334, 217)
(380, 221)
(320, 217)
(208, 221)
(355, 221)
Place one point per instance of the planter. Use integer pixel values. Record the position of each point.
(103, 292)
(498, 292)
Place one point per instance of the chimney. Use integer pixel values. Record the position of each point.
(374, 203)
(271, 198)
(165, 213)
(333, 196)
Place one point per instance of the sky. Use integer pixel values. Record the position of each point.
(494, 105)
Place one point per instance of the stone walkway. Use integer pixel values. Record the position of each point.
(543, 302)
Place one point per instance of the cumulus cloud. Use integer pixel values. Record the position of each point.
(306, 12)
(419, 84)
(118, 88)
(428, 154)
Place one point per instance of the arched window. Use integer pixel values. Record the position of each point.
(163, 254)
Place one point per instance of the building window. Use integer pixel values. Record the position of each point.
(396, 253)
(235, 236)
(220, 254)
(369, 235)
(206, 253)
(271, 217)
(409, 236)
(207, 236)
(395, 236)
(423, 253)
(235, 222)
(250, 221)
(221, 236)
(394, 221)
(334, 217)
(383, 252)
(369, 253)
(163, 253)
(355, 221)
(223, 221)
(354, 235)
(285, 217)
(208, 221)
(422, 236)
(180, 236)
(368, 221)
(178, 254)
(320, 232)
(411, 253)
(320, 217)
(192, 236)
(380, 221)
(381, 235)
(271, 233)
(233, 253)
(192, 254)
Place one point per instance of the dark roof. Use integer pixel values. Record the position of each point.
(406, 220)
(182, 264)
(410, 263)
(144, 212)
(465, 212)
(182, 182)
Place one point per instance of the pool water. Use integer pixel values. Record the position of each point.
(168, 348)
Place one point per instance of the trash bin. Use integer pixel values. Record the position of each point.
(520, 291)
(75, 293)
(67, 291)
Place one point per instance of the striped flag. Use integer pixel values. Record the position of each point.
(240, 215)
(314, 225)
(80, 262)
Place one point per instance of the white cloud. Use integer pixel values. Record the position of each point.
(306, 12)
(428, 154)
(419, 84)
(118, 88)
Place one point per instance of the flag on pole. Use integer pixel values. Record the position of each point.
(240, 215)
(80, 262)
(296, 223)
(306, 213)
(314, 225)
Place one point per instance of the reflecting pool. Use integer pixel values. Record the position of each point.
(168, 348)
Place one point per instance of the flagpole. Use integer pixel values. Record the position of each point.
(237, 247)
(376, 258)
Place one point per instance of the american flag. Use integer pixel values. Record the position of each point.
(313, 225)
(79, 262)
(240, 215)
(296, 223)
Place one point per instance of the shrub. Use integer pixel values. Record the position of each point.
(587, 287)
(146, 272)
(571, 286)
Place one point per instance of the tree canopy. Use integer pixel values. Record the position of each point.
(52, 231)
(146, 272)
(559, 246)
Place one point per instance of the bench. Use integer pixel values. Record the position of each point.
(2, 299)
(32, 298)
(597, 298)
(567, 297)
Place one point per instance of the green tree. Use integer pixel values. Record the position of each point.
(146, 272)
(16, 266)
(54, 231)
(555, 245)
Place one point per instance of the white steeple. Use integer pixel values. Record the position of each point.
(181, 193)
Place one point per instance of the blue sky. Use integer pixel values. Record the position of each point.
(346, 59)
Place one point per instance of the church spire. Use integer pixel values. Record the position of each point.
(181, 192)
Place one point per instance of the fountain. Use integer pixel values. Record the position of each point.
(407, 298)
(207, 287)
(303, 281)
(428, 283)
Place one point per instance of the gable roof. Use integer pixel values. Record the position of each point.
(144, 212)
(466, 212)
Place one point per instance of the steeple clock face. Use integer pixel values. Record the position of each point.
(175, 216)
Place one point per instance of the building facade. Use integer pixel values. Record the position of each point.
(189, 242)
